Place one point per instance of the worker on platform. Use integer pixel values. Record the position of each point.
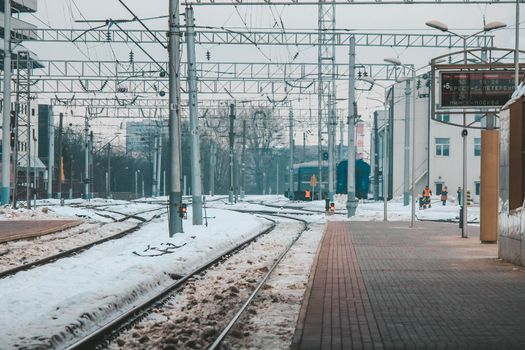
(427, 192)
(444, 195)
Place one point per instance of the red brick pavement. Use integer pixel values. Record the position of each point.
(339, 315)
(11, 230)
(385, 286)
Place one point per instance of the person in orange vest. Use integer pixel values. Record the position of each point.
(427, 192)
(332, 208)
(307, 195)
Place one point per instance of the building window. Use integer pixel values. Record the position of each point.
(482, 119)
(476, 184)
(442, 147)
(477, 146)
(443, 118)
(439, 188)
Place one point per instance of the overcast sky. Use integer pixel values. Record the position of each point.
(362, 18)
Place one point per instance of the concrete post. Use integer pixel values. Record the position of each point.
(231, 136)
(243, 159)
(154, 179)
(291, 159)
(86, 159)
(51, 157)
(175, 195)
(406, 158)
(213, 162)
(196, 181)
(6, 116)
(351, 202)
(109, 172)
(60, 155)
(159, 164)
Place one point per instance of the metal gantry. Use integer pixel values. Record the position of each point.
(326, 92)
(252, 37)
(22, 129)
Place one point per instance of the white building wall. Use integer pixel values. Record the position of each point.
(446, 170)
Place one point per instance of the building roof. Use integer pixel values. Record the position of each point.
(518, 93)
(22, 5)
(20, 48)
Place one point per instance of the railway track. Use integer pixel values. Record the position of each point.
(81, 248)
(102, 336)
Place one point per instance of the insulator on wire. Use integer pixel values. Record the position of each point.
(108, 36)
(131, 56)
(208, 55)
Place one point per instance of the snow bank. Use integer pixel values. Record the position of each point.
(77, 292)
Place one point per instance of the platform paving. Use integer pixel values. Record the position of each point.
(11, 230)
(384, 286)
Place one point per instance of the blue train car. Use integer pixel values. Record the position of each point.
(362, 178)
(304, 171)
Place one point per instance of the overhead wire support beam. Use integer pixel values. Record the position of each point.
(261, 37)
(346, 2)
(122, 72)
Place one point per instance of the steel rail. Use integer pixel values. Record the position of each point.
(135, 314)
(261, 284)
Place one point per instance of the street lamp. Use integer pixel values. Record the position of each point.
(486, 28)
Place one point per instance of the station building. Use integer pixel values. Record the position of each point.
(438, 146)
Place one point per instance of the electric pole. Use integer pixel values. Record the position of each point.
(154, 179)
(243, 159)
(60, 160)
(175, 195)
(213, 162)
(159, 162)
(51, 156)
(406, 160)
(196, 181)
(232, 140)
(86, 159)
(109, 172)
(6, 116)
(290, 170)
(351, 202)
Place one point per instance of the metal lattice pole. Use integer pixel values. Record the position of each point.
(326, 88)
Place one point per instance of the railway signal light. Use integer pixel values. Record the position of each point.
(183, 211)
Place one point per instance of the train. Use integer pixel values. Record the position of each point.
(303, 172)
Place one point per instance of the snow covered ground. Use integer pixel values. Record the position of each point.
(373, 211)
(43, 306)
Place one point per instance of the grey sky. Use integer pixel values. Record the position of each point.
(380, 18)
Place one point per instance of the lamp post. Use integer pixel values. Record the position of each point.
(464, 133)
